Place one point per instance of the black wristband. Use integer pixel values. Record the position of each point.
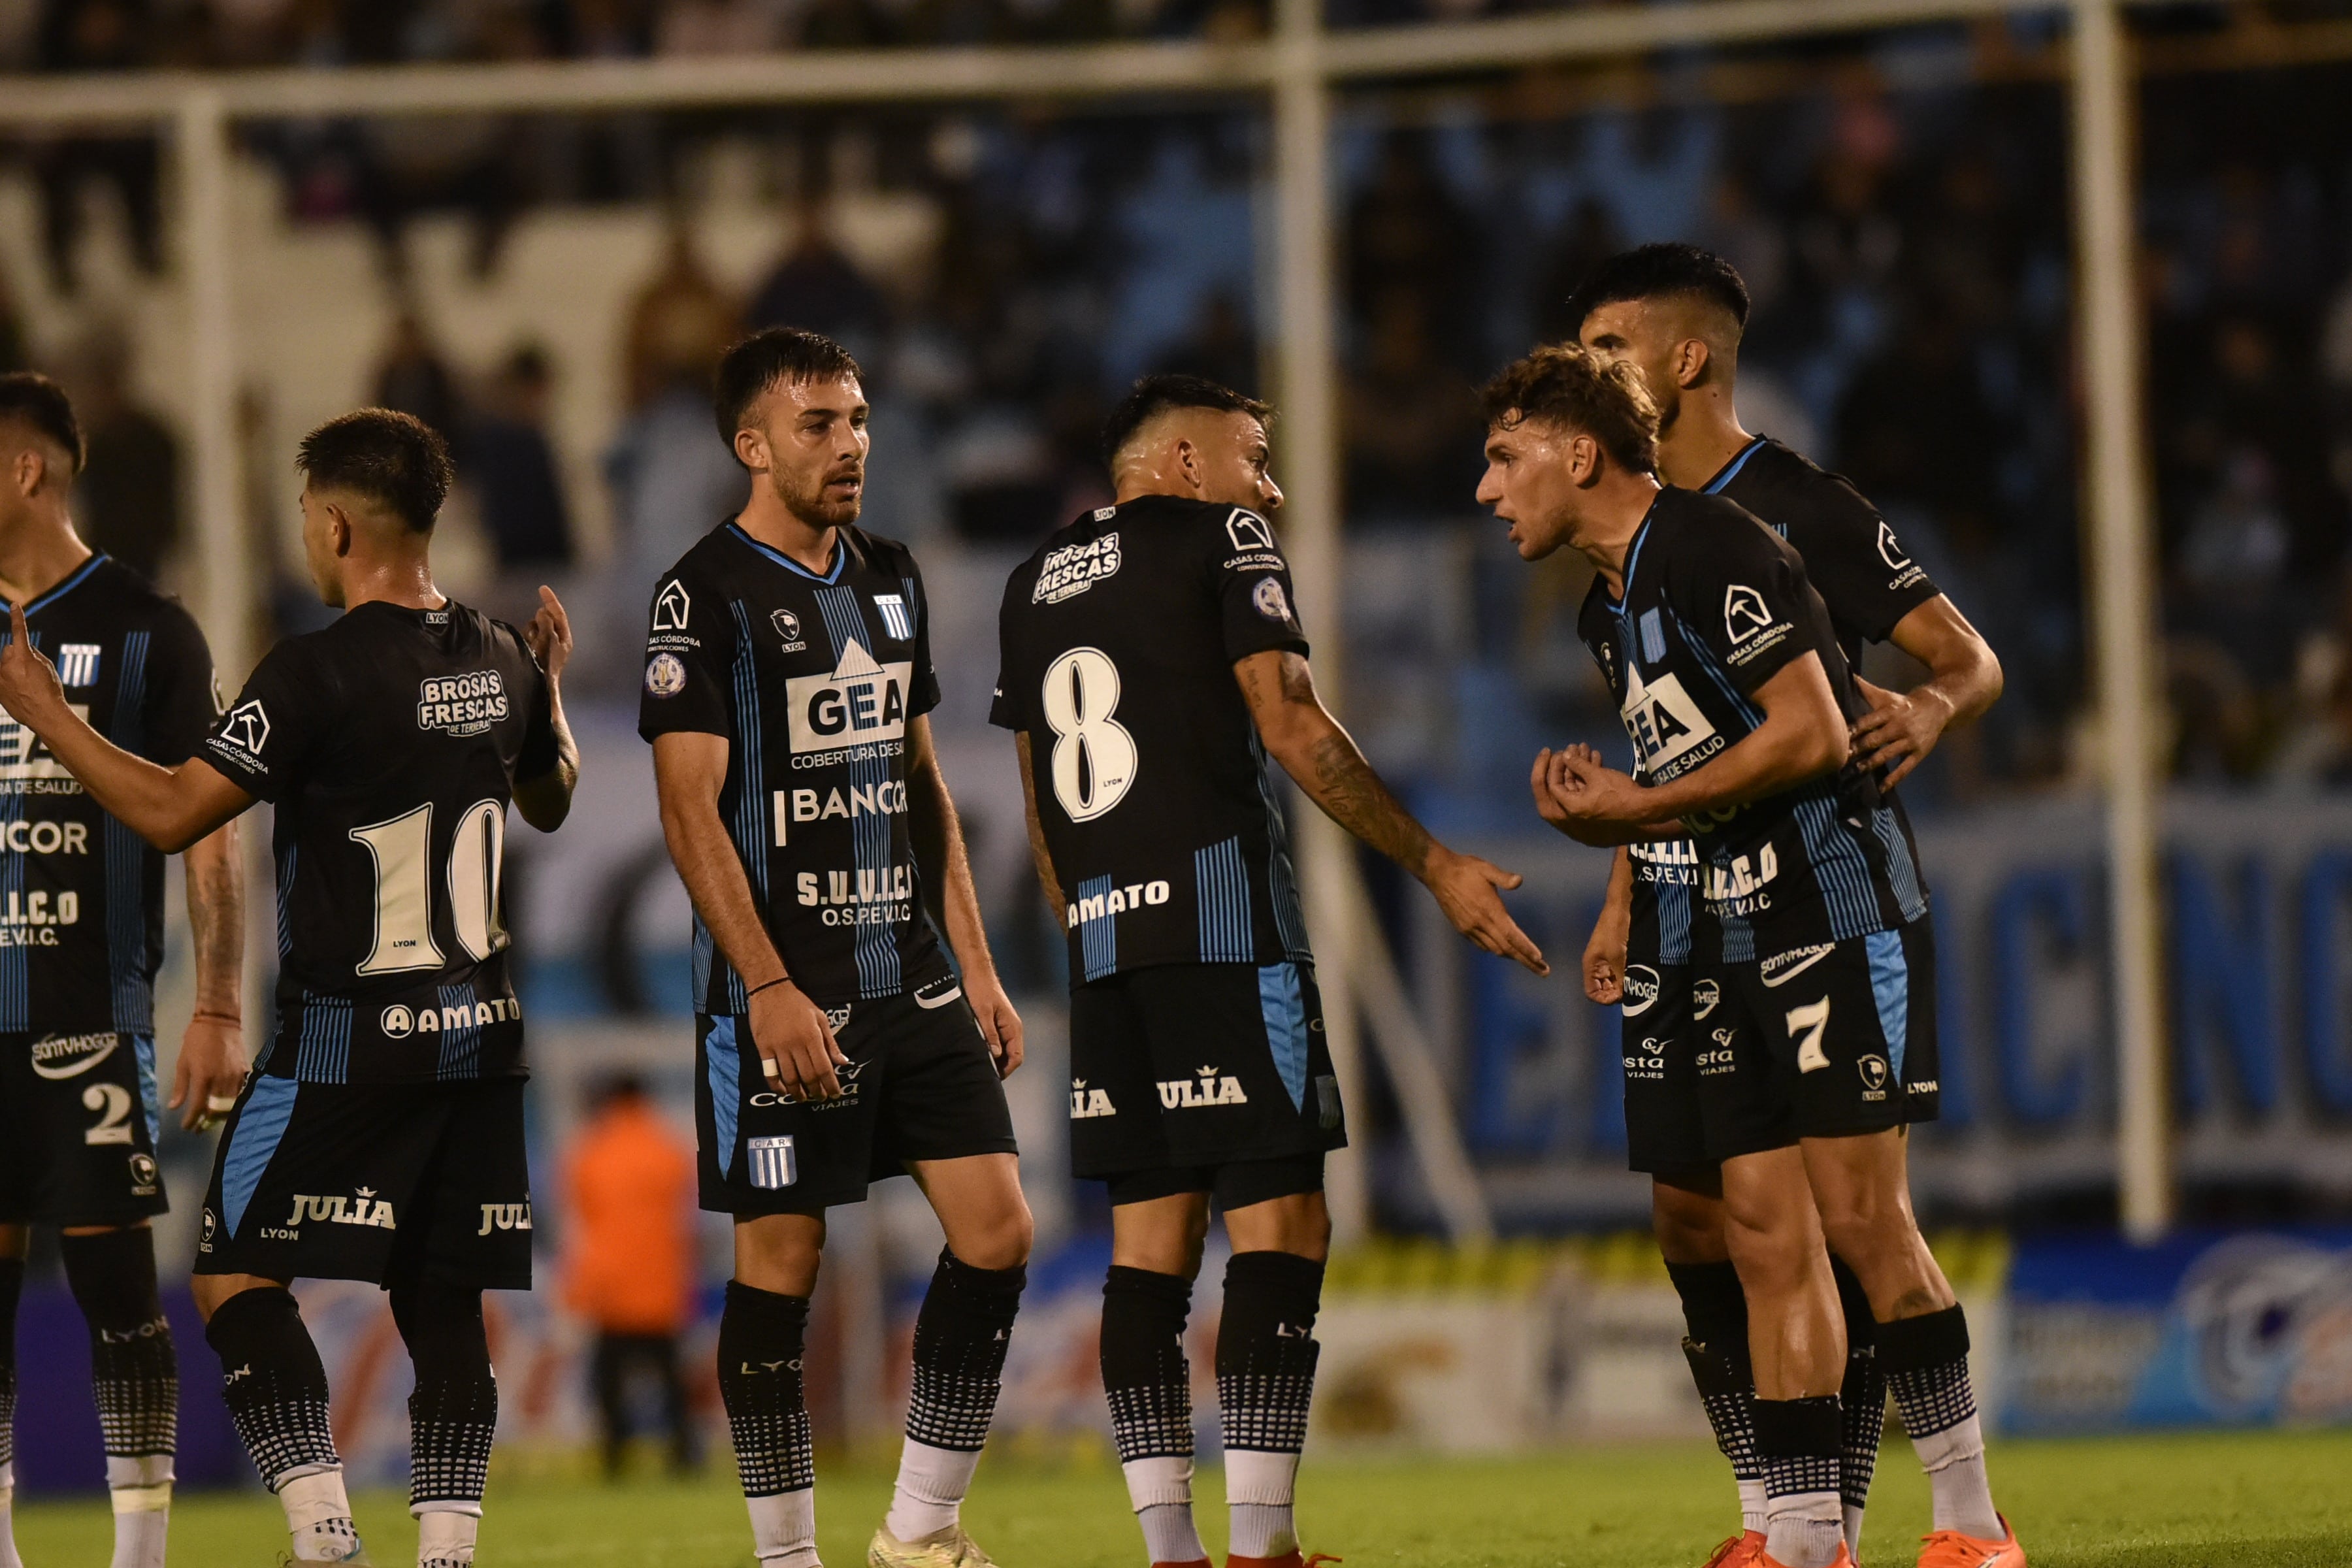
(779, 980)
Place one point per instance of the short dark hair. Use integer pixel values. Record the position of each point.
(394, 459)
(1658, 271)
(768, 356)
(1561, 384)
(31, 398)
(1156, 394)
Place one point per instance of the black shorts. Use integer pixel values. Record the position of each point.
(1190, 1066)
(920, 1085)
(382, 1181)
(79, 1120)
(1235, 1184)
(1824, 1041)
(1665, 1128)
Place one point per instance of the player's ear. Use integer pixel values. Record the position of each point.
(1690, 362)
(751, 450)
(1583, 460)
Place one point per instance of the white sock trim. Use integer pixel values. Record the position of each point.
(1258, 1478)
(783, 1524)
(1162, 1482)
(1754, 1505)
(313, 1495)
(446, 1533)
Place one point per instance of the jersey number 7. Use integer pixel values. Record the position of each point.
(1095, 761)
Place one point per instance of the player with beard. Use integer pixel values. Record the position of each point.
(380, 1136)
(1675, 315)
(1153, 666)
(1813, 983)
(81, 940)
(787, 692)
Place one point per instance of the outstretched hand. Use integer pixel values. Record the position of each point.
(1470, 890)
(549, 636)
(29, 687)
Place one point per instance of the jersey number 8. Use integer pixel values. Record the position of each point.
(403, 892)
(1094, 756)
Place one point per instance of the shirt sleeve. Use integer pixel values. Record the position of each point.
(285, 710)
(1251, 582)
(182, 694)
(1009, 708)
(539, 754)
(1856, 562)
(689, 642)
(923, 693)
(1742, 595)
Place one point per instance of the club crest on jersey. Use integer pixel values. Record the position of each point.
(672, 607)
(1206, 1087)
(895, 618)
(1270, 600)
(788, 626)
(860, 703)
(1073, 569)
(78, 664)
(664, 675)
(1086, 1104)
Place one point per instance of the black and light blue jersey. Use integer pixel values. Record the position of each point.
(390, 743)
(1117, 646)
(813, 681)
(81, 896)
(1714, 607)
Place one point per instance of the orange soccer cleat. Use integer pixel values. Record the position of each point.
(1844, 1559)
(1288, 1560)
(1742, 1551)
(1950, 1549)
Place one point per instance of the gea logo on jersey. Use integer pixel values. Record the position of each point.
(22, 755)
(860, 702)
(1665, 722)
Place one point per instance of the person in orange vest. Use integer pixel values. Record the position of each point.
(628, 1180)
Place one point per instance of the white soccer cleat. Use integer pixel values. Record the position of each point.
(950, 1548)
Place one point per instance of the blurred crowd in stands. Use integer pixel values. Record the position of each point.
(1907, 246)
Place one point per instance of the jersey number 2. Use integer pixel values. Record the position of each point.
(1094, 756)
(401, 848)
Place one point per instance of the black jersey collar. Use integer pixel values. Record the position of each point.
(1633, 554)
(72, 581)
(833, 574)
(1731, 471)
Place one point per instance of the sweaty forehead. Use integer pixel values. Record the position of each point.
(791, 396)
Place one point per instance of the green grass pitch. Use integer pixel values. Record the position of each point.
(2243, 1501)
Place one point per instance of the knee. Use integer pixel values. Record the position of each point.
(779, 1253)
(1770, 1253)
(1863, 1227)
(1689, 1226)
(1002, 1242)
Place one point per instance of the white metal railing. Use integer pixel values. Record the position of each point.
(1295, 68)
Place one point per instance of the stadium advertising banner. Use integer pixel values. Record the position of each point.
(2208, 1329)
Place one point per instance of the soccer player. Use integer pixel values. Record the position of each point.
(380, 1136)
(787, 693)
(1152, 663)
(81, 934)
(1738, 701)
(1675, 315)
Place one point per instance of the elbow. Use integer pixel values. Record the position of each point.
(1830, 748)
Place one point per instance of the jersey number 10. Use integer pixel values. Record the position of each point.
(403, 848)
(1094, 756)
